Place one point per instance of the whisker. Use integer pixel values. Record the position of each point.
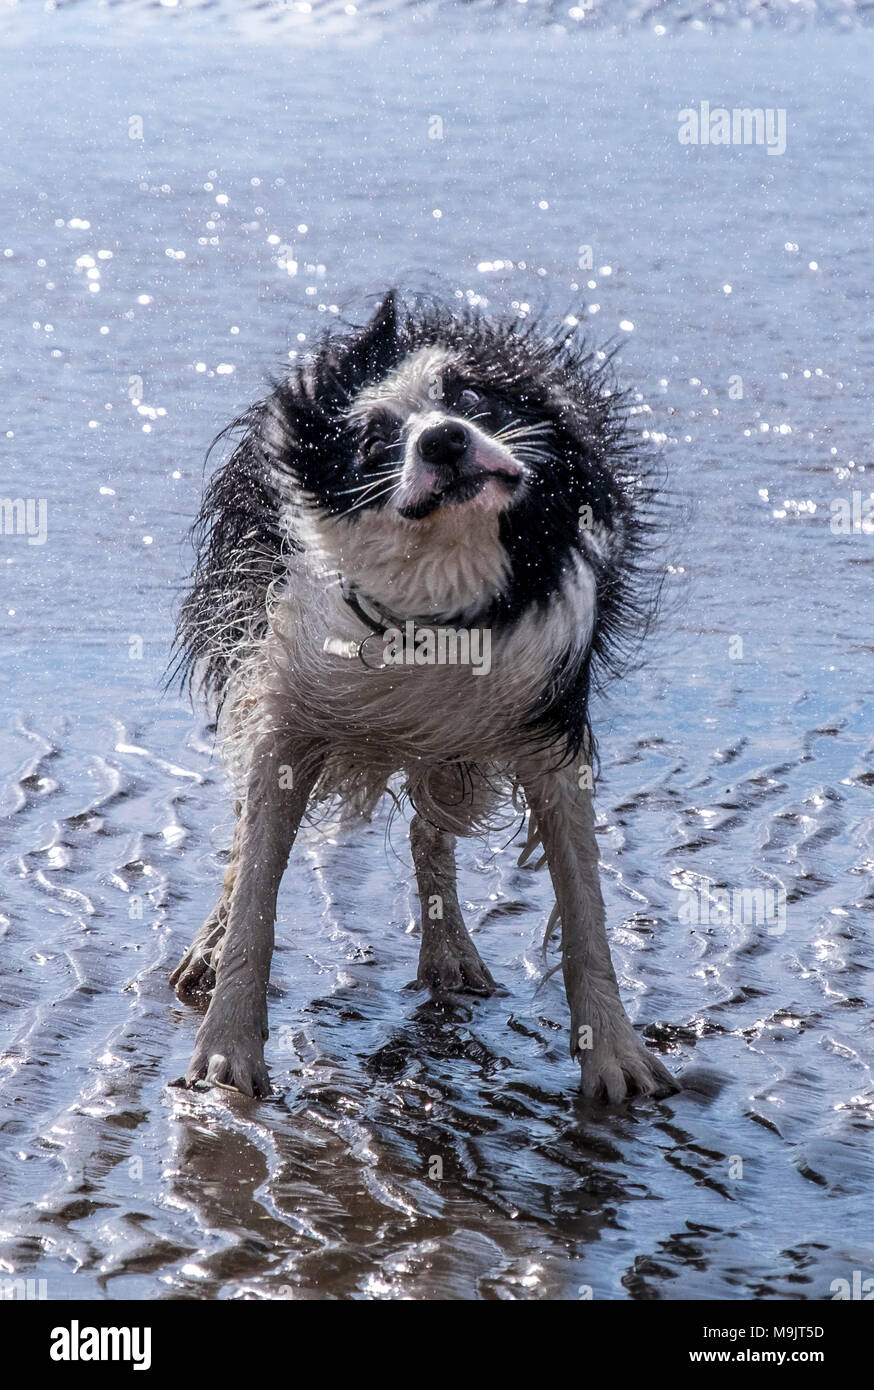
(524, 431)
(375, 498)
(533, 450)
(380, 478)
(511, 425)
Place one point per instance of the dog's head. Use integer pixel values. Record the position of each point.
(451, 464)
(445, 465)
(431, 434)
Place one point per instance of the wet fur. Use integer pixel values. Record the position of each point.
(295, 451)
(295, 505)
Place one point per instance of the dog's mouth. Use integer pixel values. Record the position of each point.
(455, 491)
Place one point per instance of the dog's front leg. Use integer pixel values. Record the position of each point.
(229, 1049)
(194, 977)
(613, 1062)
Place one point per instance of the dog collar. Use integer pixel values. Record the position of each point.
(379, 620)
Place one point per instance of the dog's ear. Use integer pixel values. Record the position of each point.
(373, 350)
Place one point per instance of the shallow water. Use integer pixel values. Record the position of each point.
(415, 1152)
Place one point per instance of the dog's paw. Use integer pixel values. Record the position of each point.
(455, 969)
(239, 1067)
(194, 977)
(223, 1057)
(619, 1067)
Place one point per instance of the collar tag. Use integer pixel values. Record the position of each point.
(369, 651)
(339, 646)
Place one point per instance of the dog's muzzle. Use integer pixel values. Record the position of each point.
(444, 446)
(454, 464)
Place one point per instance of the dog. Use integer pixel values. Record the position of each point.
(435, 482)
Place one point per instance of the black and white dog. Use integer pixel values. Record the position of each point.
(426, 543)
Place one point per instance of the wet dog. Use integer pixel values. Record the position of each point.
(434, 487)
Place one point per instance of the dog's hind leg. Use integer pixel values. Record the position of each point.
(613, 1061)
(229, 1049)
(194, 976)
(448, 960)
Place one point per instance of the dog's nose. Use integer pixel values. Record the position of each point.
(444, 443)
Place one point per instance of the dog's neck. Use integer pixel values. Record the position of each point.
(452, 567)
(379, 618)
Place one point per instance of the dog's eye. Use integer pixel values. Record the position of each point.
(374, 446)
